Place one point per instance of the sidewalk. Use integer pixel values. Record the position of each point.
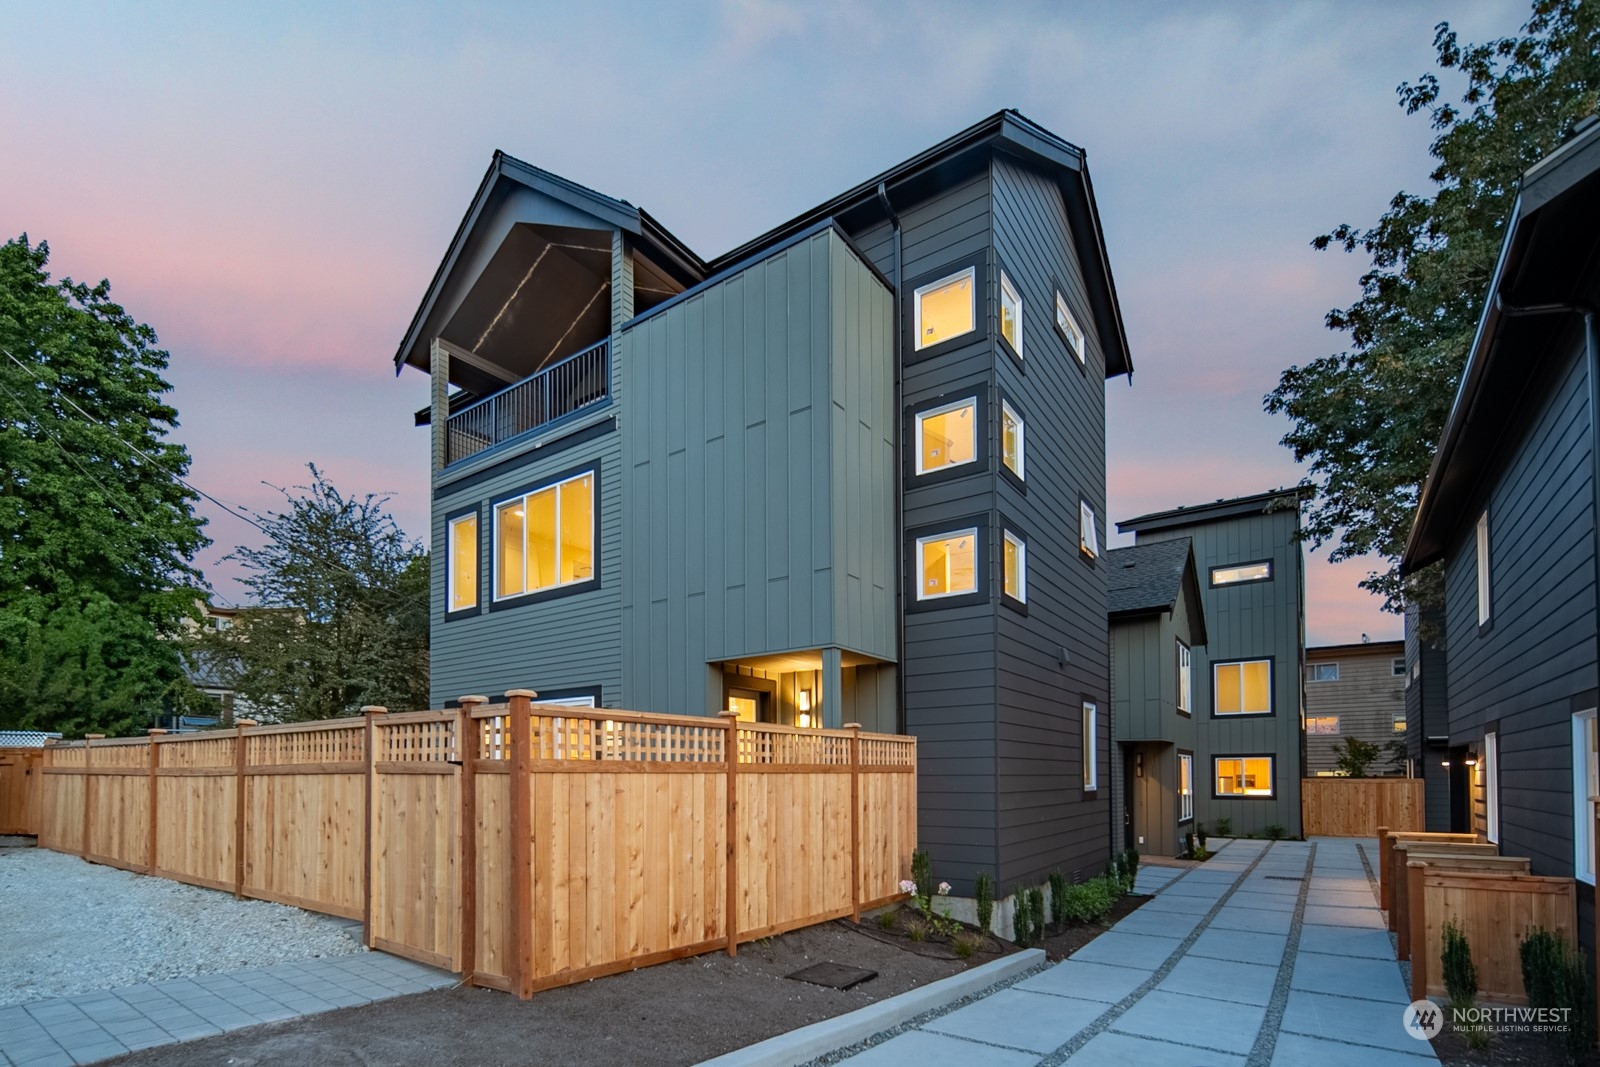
(1268, 955)
(62, 1031)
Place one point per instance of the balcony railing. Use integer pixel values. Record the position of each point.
(560, 389)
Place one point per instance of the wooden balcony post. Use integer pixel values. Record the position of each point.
(439, 415)
(370, 713)
(855, 819)
(521, 742)
(155, 763)
(88, 789)
(730, 755)
(467, 751)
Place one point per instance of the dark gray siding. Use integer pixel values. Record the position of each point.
(1427, 717)
(1250, 621)
(1534, 664)
(759, 455)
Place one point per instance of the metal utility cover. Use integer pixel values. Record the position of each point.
(834, 975)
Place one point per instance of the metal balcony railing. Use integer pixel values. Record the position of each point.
(560, 389)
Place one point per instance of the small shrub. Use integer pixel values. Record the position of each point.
(1461, 980)
(917, 929)
(966, 943)
(1058, 897)
(1200, 836)
(1022, 921)
(922, 874)
(1274, 831)
(1225, 827)
(984, 890)
(1036, 909)
(887, 920)
(1541, 953)
(1132, 857)
(1188, 845)
(1554, 976)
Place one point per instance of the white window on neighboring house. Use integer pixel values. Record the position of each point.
(1016, 568)
(1071, 332)
(1185, 787)
(1088, 534)
(1585, 788)
(1489, 767)
(1483, 568)
(945, 309)
(1397, 666)
(1322, 672)
(1091, 747)
(1013, 442)
(947, 564)
(1011, 314)
(1185, 678)
(1322, 724)
(947, 436)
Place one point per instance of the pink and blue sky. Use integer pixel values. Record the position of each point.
(272, 186)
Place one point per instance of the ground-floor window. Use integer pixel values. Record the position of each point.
(1185, 787)
(1489, 768)
(1244, 776)
(1091, 755)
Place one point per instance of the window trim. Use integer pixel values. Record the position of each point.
(1088, 552)
(1272, 775)
(1211, 573)
(517, 600)
(1185, 800)
(1335, 732)
(1310, 667)
(1077, 341)
(1489, 764)
(1272, 700)
(943, 406)
(1583, 809)
(1089, 739)
(1484, 553)
(932, 279)
(451, 518)
(1009, 534)
(1020, 475)
(948, 535)
(1401, 673)
(1007, 287)
(1185, 678)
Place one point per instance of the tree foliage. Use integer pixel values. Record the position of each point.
(96, 540)
(342, 611)
(1367, 420)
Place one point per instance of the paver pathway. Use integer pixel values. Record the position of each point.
(1267, 955)
(61, 1031)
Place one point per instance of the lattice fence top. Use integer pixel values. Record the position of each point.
(25, 738)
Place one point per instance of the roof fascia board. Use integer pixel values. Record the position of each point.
(1214, 512)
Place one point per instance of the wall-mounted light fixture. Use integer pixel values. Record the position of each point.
(1471, 760)
(803, 702)
(1444, 763)
(1138, 764)
(805, 720)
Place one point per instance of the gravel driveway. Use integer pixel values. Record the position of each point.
(69, 927)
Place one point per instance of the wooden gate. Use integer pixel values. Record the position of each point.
(20, 776)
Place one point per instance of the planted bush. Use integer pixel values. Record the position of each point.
(983, 890)
(1274, 831)
(1225, 827)
(1461, 980)
(1058, 897)
(1554, 977)
(1132, 856)
(922, 873)
(1026, 923)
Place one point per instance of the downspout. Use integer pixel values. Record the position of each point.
(899, 480)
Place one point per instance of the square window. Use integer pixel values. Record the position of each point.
(1016, 567)
(1091, 751)
(1185, 678)
(1185, 787)
(1071, 332)
(1322, 672)
(945, 309)
(1088, 535)
(1010, 314)
(1244, 776)
(1243, 572)
(947, 564)
(1242, 688)
(545, 538)
(947, 436)
(463, 562)
(1012, 440)
(1322, 724)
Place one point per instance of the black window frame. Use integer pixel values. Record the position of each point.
(978, 263)
(1211, 573)
(1007, 399)
(475, 509)
(1272, 683)
(1270, 757)
(980, 462)
(588, 585)
(1004, 526)
(1018, 356)
(983, 524)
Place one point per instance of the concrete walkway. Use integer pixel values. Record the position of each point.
(1268, 955)
(61, 1031)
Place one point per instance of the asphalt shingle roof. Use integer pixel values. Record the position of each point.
(1145, 577)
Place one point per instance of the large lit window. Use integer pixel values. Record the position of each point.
(1088, 536)
(1010, 314)
(1242, 688)
(1322, 724)
(1016, 567)
(1322, 672)
(946, 308)
(947, 436)
(1185, 787)
(1185, 678)
(1071, 332)
(1091, 751)
(1483, 568)
(1243, 572)
(545, 539)
(1244, 776)
(463, 562)
(1012, 440)
(947, 564)
(1585, 786)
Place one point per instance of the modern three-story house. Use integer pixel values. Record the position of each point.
(851, 471)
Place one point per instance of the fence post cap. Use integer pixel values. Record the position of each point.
(94, 737)
(474, 699)
(852, 726)
(725, 714)
(245, 722)
(155, 731)
(374, 709)
(529, 693)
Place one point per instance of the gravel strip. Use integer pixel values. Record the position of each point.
(68, 927)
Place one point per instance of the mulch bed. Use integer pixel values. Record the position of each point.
(1061, 942)
(1509, 1050)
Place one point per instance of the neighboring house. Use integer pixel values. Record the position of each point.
(1355, 691)
(1427, 718)
(208, 673)
(1248, 698)
(851, 471)
(1509, 510)
(1157, 627)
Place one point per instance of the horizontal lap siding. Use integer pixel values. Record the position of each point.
(1047, 820)
(1366, 698)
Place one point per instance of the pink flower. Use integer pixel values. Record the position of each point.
(907, 886)
(944, 889)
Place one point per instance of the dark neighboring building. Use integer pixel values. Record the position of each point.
(850, 471)
(1509, 509)
(1248, 696)
(1427, 718)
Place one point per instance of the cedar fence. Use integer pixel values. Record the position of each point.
(1356, 807)
(523, 846)
(20, 789)
(1495, 911)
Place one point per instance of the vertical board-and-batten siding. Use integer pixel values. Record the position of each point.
(1534, 664)
(760, 427)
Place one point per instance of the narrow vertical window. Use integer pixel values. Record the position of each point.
(1071, 332)
(1010, 314)
(1185, 787)
(1088, 536)
(1185, 679)
(1016, 567)
(1585, 787)
(944, 309)
(1489, 767)
(1012, 442)
(947, 436)
(1483, 568)
(463, 563)
(1091, 756)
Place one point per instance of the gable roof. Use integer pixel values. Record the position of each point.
(1548, 256)
(1217, 511)
(1148, 579)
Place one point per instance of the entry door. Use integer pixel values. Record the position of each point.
(749, 704)
(1130, 798)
